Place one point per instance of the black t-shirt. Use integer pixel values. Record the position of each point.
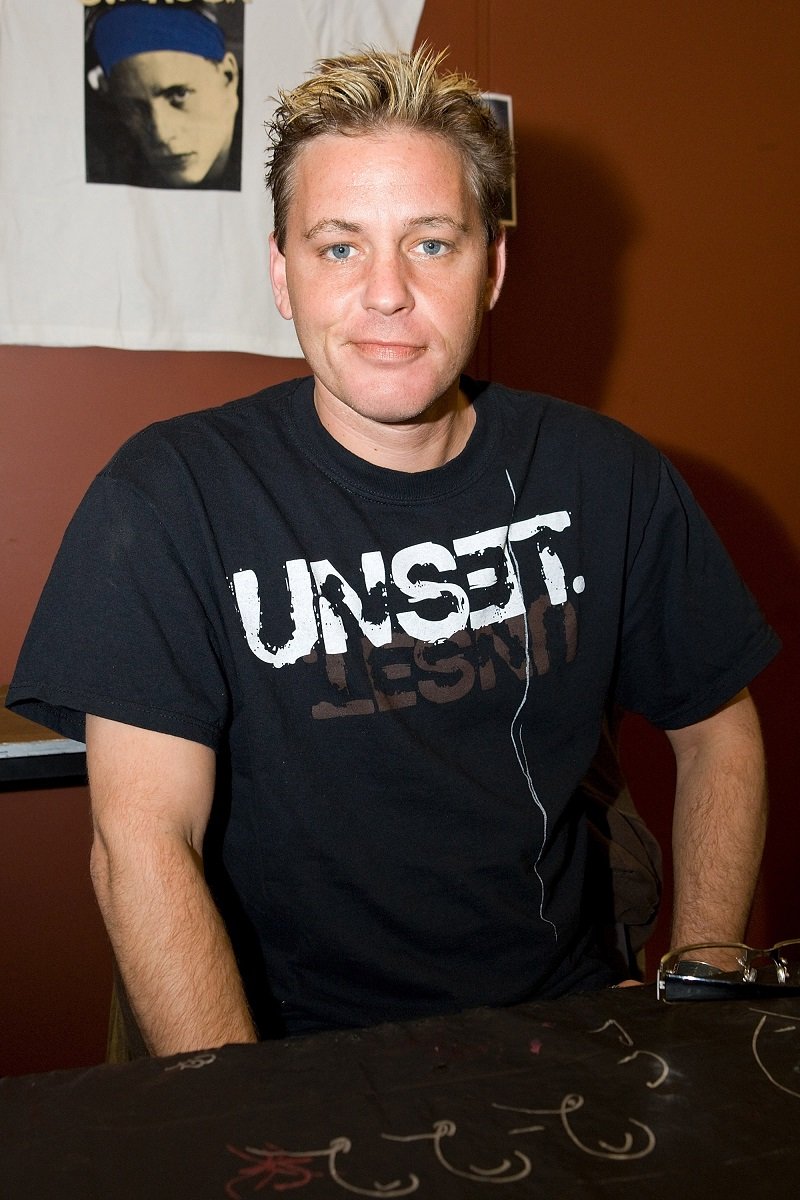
(404, 677)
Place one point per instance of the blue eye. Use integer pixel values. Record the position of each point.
(340, 252)
(432, 247)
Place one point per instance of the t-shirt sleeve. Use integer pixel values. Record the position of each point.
(124, 628)
(693, 635)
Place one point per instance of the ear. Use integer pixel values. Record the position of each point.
(230, 69)
(277, 274)
(496, 252)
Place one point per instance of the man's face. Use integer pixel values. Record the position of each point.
(181, 109)
(385, 272)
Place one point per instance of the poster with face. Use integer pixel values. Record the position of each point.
(133, 207)
(163, 95)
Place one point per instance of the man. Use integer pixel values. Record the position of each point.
(346, 648)
(166, 76)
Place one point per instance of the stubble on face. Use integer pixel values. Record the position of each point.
(386, 275)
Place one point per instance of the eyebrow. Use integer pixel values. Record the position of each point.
(337, 225)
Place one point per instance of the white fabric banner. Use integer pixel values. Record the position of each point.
(170, 262)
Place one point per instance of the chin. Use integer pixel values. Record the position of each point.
(192, 178)
(406, 397)
(393, 409)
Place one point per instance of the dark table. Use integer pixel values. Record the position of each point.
(614, 1094)
(31, 754)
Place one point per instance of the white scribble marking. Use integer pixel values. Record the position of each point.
(651, 1083)
(570, 1104)
(756, 1054)
(516, 730)
(443, 1129)
(194, 1063)
(336, 1146)
(625, 1039)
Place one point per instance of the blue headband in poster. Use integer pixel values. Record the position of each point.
(123, 32)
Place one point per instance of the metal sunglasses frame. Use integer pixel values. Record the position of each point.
(681, 982)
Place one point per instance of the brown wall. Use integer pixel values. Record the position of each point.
(653, 276)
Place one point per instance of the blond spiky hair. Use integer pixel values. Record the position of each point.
(372, 92)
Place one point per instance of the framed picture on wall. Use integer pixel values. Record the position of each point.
(501, 107)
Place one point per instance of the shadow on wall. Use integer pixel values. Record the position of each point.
(768, 562)
(770, 565)
(557, 324)
(556, 330)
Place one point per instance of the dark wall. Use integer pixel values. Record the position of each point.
(652, 276)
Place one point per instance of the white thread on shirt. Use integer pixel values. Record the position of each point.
(516, 730)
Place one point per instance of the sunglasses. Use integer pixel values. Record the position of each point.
(729, 971)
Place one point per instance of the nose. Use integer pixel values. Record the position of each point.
(163, 126)
(387, 286)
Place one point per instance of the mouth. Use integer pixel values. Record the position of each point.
(388, 352)
(175, 162)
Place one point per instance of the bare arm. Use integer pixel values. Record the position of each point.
(718, 823)
(151, 799)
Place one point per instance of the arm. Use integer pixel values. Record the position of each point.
(718, 823)
(151, 799)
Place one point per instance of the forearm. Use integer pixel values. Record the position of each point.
(171, 946)
(718, 826)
